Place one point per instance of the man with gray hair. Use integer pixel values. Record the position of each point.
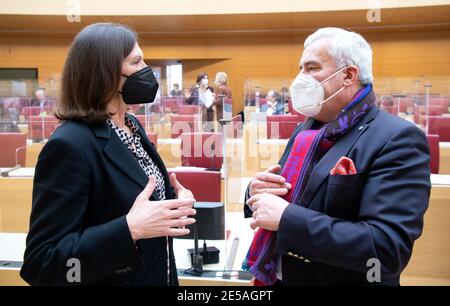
(39, 98)
(346, 202)
(274, 104)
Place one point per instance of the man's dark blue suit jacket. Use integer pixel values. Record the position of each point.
(341, 222)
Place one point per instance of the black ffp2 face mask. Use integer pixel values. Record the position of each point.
(140, 87)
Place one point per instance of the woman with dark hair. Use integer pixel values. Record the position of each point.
(104, 209)
(203, 95)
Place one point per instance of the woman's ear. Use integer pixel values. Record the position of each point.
(351, 75)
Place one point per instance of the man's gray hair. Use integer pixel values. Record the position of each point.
(347, 48)
(221, 78)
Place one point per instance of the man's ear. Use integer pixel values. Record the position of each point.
(351, 75)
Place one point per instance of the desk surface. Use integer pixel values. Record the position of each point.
(13, 246)
(429, 260)
(236, 224)
(20, 172)
(440, 179)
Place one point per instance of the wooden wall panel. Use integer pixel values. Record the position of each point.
(399, 58)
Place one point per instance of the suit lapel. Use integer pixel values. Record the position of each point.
(321, 171)
(121, 157)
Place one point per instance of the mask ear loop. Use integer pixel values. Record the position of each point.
(331, 76)
(125, 76)
(332, 96)
(328, 78)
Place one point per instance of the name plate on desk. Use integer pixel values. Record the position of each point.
(18, 172)
(440, 179)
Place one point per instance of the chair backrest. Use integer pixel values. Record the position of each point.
(184, 124)
(13, 146)
(281, 126)
(171, 104)
(420, 113)
(196, 181)
(439, 125)
(202, 150)
(404, 104)
(262, 101)
(141, 119)
(439, 101)
(188, 109)
(153, 137)
(42, 127)
(433, 142)
(435, 110)
(234, 129)
(155, 107)
(443, 103)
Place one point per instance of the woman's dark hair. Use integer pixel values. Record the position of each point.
(92, 71)
(201, 76)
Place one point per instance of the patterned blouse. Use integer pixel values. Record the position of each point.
(133, 143)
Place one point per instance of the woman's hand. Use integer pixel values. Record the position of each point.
(159, 218)
(181, 191)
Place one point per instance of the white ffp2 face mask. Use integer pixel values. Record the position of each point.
(307, 94)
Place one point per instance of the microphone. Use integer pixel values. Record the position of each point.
(5, 173)
(17, 155)
(213, 147)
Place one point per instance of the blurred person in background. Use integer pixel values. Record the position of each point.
(222, 92)
(275, 106)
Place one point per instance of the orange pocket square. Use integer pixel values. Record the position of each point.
(344, 166)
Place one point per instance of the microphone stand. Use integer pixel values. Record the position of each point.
(197, 260)
(213, 147)
(17, 166)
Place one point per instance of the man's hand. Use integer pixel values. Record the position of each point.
(267, 210)
(181, 191)
(269, 182)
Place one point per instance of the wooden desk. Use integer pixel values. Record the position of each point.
(269, 152)
(431, 253)
(444, 160)
(237, 226)
(15, 204)
(256, 156)
(33, 152)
